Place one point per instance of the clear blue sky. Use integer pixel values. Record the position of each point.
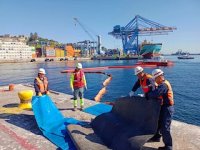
(53, 19)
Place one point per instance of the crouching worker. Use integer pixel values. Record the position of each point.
(165, 94)
(144, 81)
(78, 83)
(41, 83)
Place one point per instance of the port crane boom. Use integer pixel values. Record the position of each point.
(139, 26)
(83, 27)
(98, 41)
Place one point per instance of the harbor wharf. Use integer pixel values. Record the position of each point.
(19, 130)
(42, 59)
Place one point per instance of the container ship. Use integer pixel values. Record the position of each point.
(149, 50)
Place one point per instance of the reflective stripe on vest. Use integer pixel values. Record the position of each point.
(78, 79)
(170, 95)
(42, 84)
(143, 83)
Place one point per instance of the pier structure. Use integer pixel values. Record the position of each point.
(19, 130)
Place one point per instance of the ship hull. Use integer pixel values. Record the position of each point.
(150, 50)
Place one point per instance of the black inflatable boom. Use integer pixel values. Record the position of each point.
(131, 123)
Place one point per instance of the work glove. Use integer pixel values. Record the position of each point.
(131, 93)
(39, 94)
(141, 95)
(47, 92)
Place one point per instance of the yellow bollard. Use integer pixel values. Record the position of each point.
(25, 99)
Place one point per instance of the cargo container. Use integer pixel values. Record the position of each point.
(50, 51)
(33, 52)
(69, 50)
(34, 55)
(59, 52)
(77, 52)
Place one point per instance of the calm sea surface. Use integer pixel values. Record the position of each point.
(184, 77)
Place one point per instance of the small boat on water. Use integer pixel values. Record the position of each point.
(187, 56)
(157, 61)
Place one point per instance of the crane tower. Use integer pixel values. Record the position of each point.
(139, 26)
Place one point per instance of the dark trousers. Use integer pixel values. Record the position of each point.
(164, 125)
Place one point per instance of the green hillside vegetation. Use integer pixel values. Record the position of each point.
(38, 42)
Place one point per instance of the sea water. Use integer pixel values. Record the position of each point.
(184, 77)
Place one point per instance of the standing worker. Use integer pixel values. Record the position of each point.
(144, 80)
(77, 83)
(41, 83)
(165, 93)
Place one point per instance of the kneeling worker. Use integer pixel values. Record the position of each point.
(165, 94)
(77, 83)
(144, 80)
(41, 83)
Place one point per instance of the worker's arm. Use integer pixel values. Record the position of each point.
(72, 81)
(37, 90)
(162, 89)
(47, 84)
(136, 85)
(151, 84)
(84, 80)
(47, 91)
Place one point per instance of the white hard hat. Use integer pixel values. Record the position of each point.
(79, 66)
(42, 71)
(156, 73)
(138, 69)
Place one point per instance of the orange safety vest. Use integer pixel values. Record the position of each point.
(78, 79)
(170, 95)
(42, 84)
(143, 83)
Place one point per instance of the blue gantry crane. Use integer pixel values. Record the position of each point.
(139, 26)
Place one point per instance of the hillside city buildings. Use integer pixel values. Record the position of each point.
(22, 47)
(15, 48)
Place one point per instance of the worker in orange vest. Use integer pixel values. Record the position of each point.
(78, 83)
(165, 94)
(41, 83)
(144, 81)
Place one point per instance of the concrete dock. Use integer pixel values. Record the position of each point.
(19, 130)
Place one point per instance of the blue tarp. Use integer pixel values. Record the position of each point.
(98, 109)
(52, 123)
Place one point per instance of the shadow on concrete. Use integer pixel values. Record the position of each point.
(11, 105)
(90, 137)
(66, 109)
(148, 148)
(24, 121)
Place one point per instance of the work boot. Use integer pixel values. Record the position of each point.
(155, 138)
(81, 109)
(75, 108)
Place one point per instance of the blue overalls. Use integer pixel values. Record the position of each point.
(164, 90)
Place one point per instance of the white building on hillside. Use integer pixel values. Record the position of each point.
(14, 50)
